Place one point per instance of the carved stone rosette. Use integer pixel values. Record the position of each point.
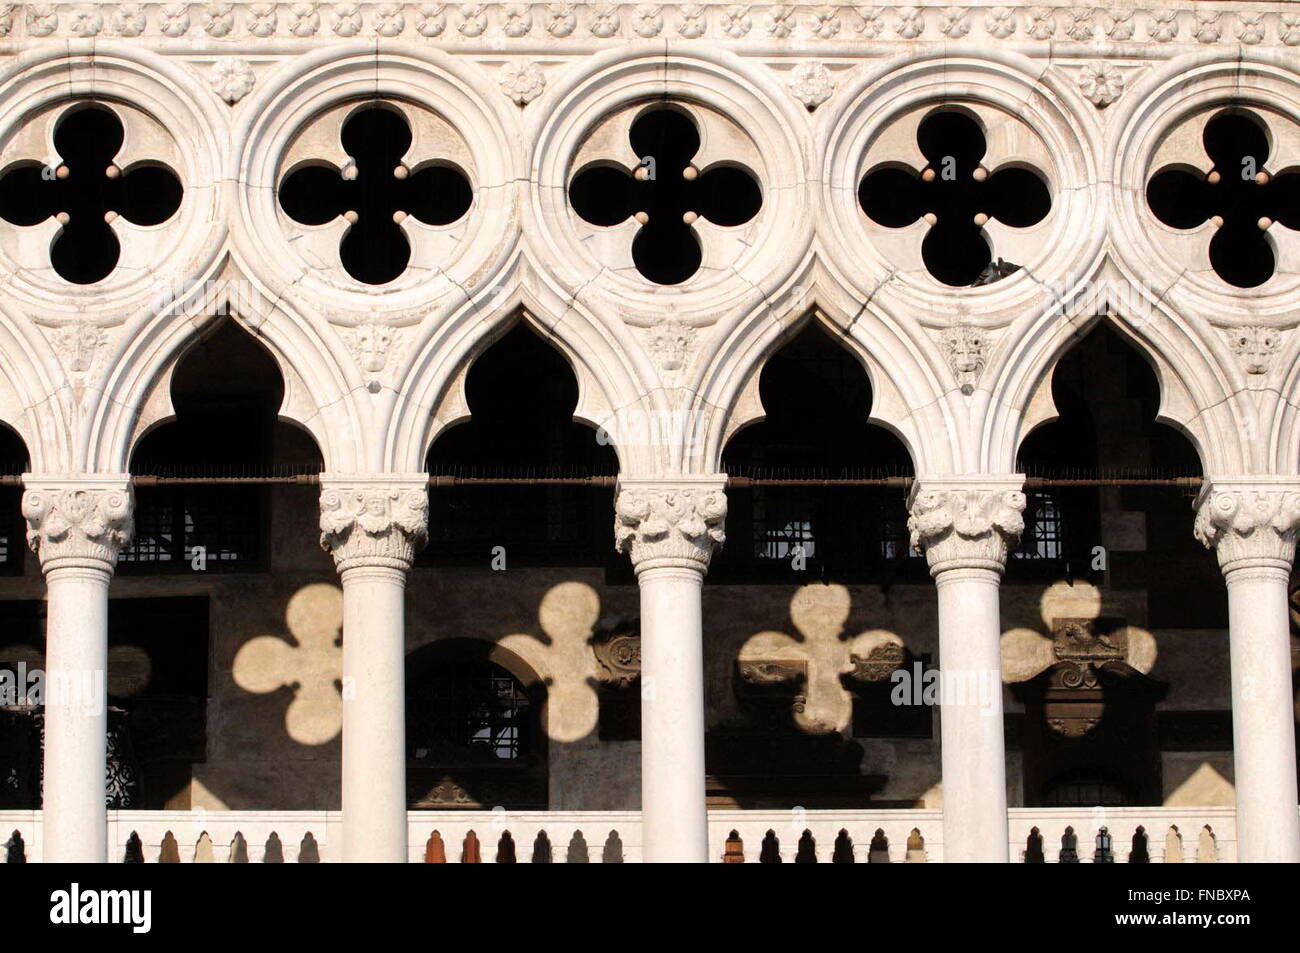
(675, 522)
(75, 521)
(968, 524)
(1250, 525)
(377, 521)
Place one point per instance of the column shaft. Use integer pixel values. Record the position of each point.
(971, 730)
(674, 820)
(374, 715)
(373, 524)
(76, 721)
(1263, 716)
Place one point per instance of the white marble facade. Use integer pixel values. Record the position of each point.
(231, 96)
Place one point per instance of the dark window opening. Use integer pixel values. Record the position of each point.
(1238, 194)
(157, 701)
(667, 194)
(521, 394)
(374, 193)
(817, 398)
(474, 736)
(226, 392)
(13, 462)
(959, 195)
(85, 190)
(1108, 396)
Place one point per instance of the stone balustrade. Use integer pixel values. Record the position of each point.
(1172, 835)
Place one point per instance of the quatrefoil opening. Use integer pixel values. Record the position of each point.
(85, 190)
(667, 194)
(375, 191)
(1238, 194)
(957, 196)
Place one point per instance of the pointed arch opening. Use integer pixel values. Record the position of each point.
(195, 509)
(529, 485)
(816, 491)
(1110, 574)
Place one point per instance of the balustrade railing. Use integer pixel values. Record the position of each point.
(1037, 835)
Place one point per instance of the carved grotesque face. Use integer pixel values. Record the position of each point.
(1255, 346)
(372, 341)
(967, 351)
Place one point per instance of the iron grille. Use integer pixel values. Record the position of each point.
(175, 524)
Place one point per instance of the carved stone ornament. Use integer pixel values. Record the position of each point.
(677, 522)
(966, 350)
(878, 664)
(1101, 83)
(811, 84)
(618, 653)
(232, 79)
(71, 521)
(1079, 640)
(772, 672)
(1255, 347)
(1250, 525)
(966, 526)
(380, 523)
(522, 82)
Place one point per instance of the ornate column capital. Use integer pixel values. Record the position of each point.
(377, 520)
(1250, 522)
(966, 522)
(673, 521)
(78, 520)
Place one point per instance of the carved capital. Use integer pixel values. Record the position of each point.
(374, 520)
(670, 522)
(75, 521)
(968, 523)
(1250, 524)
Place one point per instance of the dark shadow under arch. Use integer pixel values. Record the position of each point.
(522, 394)
(817, 398)
(14, 461)
(226, 391)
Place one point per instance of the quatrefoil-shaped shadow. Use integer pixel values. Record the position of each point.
(85, 191)
(1237, 191)
(667, 193)
(958, 194)
(375, 192)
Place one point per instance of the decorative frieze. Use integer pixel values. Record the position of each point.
(673, 521)
(493, 23)
(1250, 524)
(968, 524)
(374, 522)
(76, 521)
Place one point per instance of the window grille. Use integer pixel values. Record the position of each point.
(1044, 534)
(175, 524)
(469, 710)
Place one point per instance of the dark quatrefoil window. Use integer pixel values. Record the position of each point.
(956, 195)
(374, 193)
(666, 193)
(85, 192)
(1238, 194)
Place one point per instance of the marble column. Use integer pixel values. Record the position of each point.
(76, 526)
(669, 528)
(965, 527)
(373, 526)
(1251, 525)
